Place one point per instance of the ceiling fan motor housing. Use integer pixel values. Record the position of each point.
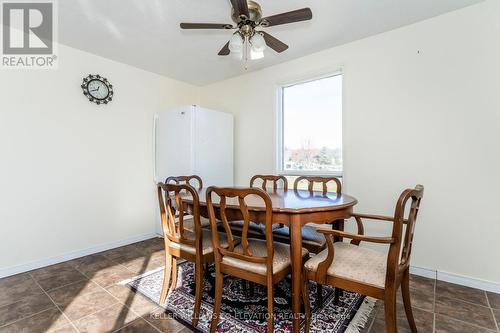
(254, 10)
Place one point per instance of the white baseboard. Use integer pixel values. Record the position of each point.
(457, 279)
(469, 282)
(425, 272)
(4, 272)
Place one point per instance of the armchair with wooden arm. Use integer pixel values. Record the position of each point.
(349, 266)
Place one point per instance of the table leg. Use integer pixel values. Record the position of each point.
(338, 225)
(296, 256)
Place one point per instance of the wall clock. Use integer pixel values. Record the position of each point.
(97, 89)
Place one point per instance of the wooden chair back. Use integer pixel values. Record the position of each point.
(172, 213)
(407, 207)
(269, 178)
(311, 180)
(185, 180)
(240, 194)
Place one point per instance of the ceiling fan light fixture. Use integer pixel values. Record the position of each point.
(258, 42)
(236, 43)
(238, 55)
(255, 55)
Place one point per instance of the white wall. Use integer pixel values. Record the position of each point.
(421, 105)
(74, 175)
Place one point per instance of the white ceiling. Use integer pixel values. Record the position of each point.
(146, 33)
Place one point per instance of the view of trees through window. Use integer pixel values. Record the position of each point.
(312, 126)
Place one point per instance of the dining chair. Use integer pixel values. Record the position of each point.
(258, 230)
(264, 179)
(185, 180)
(312, 240)
(259, 261)
(188, 221)
(312, 180)
(367, 271)
(195, 246)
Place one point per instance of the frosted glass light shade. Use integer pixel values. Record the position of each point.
(254, 55)
(258, 42)
(236, 43)
(238, 55)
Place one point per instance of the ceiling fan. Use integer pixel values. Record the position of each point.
(247, 42)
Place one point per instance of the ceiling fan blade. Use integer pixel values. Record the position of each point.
(298, 15)
(240, 7)
(206, 26)
(274, 43)
(225, 50)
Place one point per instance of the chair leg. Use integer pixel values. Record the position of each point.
(270, 307)
(307, 305)
(336, 297)
(218, 301)
(405, 289)
(206, 270)
(199, 288)
(166, 277)
(244, 285)
(319, 295)
(174, 273)
(390, 311)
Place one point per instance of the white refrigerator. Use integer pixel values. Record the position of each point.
(192, 140)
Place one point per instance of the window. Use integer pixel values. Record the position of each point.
(310, 128)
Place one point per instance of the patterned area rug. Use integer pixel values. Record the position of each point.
(246, 312)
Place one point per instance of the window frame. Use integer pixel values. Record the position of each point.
(280, 130)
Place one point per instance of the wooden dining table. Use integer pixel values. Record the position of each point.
(293, 208)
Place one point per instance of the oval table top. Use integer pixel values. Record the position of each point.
(289, 201)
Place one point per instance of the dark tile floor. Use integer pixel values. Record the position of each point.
(82, 295)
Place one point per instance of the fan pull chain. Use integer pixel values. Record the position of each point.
(246, 52)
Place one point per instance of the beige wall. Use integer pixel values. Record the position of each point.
(422, 105)
(74, 175)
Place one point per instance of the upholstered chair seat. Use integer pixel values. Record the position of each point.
(311, 239)
(354, 263)
(189, 222)
(206, 245)
(253, 228)
(258, 248)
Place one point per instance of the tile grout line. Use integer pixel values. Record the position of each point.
(130, 308)
(57, 306)
(492, 313)
(100, 286)
(469, 302)
(43, 291)
(65, 285)
(468, 323)
(139, 317)
(102, 289)
(27, 317)
(466, 301)
(488, 306)
(93, 313)
(117, 301)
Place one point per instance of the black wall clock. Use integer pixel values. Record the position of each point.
(97, 89)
